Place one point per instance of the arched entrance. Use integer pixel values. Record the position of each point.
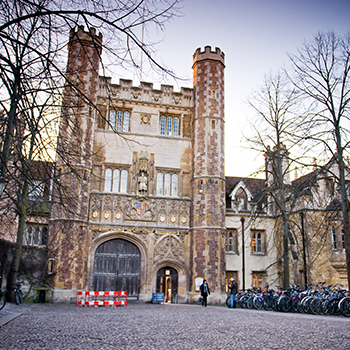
(117, 267)
(167, 279)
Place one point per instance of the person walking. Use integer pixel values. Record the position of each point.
(233, 288)
(204, 292)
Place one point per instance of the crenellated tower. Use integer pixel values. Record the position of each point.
(68, 231)
(208, 181)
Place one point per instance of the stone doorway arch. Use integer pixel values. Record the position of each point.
(167, 283)
(117, 267)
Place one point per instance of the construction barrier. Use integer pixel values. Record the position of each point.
(90, 298)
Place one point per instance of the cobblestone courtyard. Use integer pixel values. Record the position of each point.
(147, 326)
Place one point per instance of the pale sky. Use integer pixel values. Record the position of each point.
(255, 36)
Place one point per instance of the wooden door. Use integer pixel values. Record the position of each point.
(117, 267)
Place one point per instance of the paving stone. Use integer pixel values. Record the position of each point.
(149, 326)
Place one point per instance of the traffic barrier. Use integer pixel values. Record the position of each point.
(107, 298)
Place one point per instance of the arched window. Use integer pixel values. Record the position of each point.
(160, 184)
(162, 125)
(257, 280)
(334, 239)
(176, 126)
(257, 242)
(111, 120)
(108, 180)
(119, 120)
(174, 181)
(126, 121)
(167, 185)
(29, 235)
(35, 235)
(116, 176)
(169, 126)
(124, 181)
(230, 241)
(241, 195)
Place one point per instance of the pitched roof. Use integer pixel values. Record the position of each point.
(255, 186)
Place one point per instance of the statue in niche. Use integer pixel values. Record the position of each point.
(142, 182)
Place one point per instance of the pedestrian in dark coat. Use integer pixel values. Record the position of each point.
(204, 292)
(233, 288)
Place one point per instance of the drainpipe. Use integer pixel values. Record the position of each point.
(243, 260)
(304, 247)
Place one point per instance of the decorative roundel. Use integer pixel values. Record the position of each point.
(162, 218)
(106, 215)
(183, 219)
(95, 214)
(118, 215)
(172, 218)
(146, 119)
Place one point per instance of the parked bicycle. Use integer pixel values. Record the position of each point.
(18, 294)
(316, 299)
(2, 297)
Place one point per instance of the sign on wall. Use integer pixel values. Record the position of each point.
(198, 281)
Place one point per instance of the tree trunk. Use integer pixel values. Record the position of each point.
(345, 212)
(13, 273)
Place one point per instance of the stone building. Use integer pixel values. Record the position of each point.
(316, 245)
(146, 179)
(141, 202)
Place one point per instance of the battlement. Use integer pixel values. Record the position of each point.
(85, 37)
(208, 54)
(146, 93)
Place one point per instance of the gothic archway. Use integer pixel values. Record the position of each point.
(167, 283)
(117, 267)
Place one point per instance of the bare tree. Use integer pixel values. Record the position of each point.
(276, 105)
(33, 37)
(322, 75)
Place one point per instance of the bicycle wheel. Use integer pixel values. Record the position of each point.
(2, 299)
(249, 303)
(285, 304)
(306, 304)
(18, 297)
(344, 306)
(228, 301)
(298, 306)
(242, 301)
(314, 306)
(258, 303)
(333, 306)
(268, 303)
(21, 297)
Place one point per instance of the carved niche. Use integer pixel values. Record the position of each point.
(169, 247)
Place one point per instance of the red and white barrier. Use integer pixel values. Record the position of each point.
(107, 298)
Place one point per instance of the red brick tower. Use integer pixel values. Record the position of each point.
(68, 233)
(208, 182)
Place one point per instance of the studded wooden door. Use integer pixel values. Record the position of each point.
(117, 267)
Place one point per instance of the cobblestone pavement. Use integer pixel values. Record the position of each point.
(148, 326)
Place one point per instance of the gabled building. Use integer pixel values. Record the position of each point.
(316, 245)
(141, 203)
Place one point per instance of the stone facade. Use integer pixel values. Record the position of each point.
(141, 200)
